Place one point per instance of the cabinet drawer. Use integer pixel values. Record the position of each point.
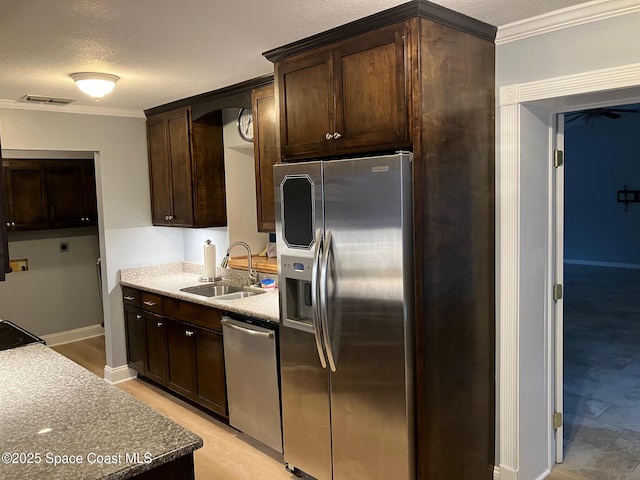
(152, 302)
(131, 296)
(193, 313)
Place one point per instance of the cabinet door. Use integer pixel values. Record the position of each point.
(26, 194)
(156, 347)
(305, 90)
(65, 188)
(180, 358)
(371, 93)
(211, 390)
(159, 170)
(90, 196)
(180, 158)
(266, 154)
(135, 333)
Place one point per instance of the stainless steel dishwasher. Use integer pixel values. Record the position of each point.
(253, 390)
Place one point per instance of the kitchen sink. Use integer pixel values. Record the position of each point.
(237, 295)
(212, 290)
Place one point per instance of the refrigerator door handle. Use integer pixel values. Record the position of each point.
(315, 298)
(324, 301)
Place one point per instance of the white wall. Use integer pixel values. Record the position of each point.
(593, 46)
(126, 236)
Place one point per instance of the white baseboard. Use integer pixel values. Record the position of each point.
(602, 264)
(118, 374)
(496, 473)
(73, 335)
(506, 473)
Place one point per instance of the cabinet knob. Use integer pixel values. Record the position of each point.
(188, 333)
(159, 324)
(13, 224)
(337, 135)
(170, 217)
(138, 317)
(328, 136)
(9, 224)
(166, 217)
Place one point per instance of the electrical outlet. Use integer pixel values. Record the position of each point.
(64, 247)
(21, 265)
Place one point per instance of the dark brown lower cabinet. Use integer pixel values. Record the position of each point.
(156, 348)
(180, 358)
(136, 343)
(211, 390)
(165, 346)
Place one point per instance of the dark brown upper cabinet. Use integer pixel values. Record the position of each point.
(346, 98)
(25, 195)
(186, 169)
(266, 154)
(44, 194)
(71, 193)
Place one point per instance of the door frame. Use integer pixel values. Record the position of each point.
(525, 377)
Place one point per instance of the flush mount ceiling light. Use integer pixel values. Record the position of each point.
(96, 85)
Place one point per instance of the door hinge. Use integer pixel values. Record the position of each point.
(558, 158)
(557, 291)
(557, 420)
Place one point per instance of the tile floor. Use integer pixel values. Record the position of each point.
(602, 373)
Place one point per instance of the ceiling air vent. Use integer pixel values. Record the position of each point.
(49, 100)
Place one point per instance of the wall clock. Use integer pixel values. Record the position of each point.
(245, 124)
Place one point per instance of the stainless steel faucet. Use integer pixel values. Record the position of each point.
(252, 274)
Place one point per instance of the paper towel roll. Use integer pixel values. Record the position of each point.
(209, 260)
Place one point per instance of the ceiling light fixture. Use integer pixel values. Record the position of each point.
(96, 85)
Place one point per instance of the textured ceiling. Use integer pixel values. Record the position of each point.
(165, 50)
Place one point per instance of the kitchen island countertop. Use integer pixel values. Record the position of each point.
(168, 279)
(54, 411)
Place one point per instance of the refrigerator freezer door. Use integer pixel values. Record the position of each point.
(369, 325)
(306, 422)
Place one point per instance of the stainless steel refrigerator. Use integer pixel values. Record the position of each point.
(345, 266)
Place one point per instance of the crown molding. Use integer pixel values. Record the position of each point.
(564, 18)
(76, 109)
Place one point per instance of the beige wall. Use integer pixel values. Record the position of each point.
(59, 292)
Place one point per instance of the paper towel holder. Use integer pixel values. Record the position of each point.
(205, 278)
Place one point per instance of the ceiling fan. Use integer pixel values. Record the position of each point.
(596, 113)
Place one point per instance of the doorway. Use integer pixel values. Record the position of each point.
(525, 305)
(601, 305)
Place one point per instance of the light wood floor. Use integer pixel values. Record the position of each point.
(226, 455)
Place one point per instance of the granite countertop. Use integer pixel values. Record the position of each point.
(168, 279)
(54, 411)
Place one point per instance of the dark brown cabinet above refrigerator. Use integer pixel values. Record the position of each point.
(186, 169)
(348, 97)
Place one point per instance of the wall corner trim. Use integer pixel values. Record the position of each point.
(564, 18)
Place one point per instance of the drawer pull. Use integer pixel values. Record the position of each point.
(188, 333)
(129, 298)
(159, 324)
(138, 317)
(151, 304)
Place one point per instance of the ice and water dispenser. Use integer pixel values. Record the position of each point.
(297, 299)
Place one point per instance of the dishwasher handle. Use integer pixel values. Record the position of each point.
(233, 326)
